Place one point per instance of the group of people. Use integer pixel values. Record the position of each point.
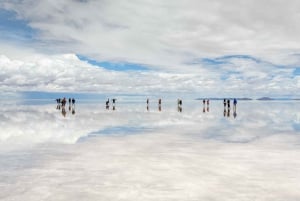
(226, 103)
(61, 103)
(107, 103)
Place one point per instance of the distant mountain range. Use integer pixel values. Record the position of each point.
(249, 99)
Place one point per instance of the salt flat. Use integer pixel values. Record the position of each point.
(132, 153)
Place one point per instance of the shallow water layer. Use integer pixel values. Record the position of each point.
(131, 152)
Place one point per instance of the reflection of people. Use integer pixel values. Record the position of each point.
(228, 112)
(63, 111)
(179, 108)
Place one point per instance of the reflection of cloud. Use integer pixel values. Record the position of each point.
(173, 160)
(22, 124)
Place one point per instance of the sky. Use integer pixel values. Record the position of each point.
(199, 48)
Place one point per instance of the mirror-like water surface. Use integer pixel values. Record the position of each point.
(133, 152)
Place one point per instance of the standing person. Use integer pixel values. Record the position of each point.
(234, 103)
(147, 101)
(107, 104)
(228, 103)
(64, 102)
(224, 102)
(73, 101)
(234, 108)
(159, 104)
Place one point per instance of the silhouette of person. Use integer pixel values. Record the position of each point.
(107, 104)
(234, 108)
(234, 103)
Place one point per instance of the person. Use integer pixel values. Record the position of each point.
(73, 101)
(224, 102)
(147, 101)
(228, 103)
(234, 108)
(64, 102)
(107, 104)
(234, 102)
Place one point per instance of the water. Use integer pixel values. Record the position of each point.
(131, 153)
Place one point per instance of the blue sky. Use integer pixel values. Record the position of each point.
(14, 29)
(116, 66)
(202, 47)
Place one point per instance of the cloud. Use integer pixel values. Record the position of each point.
(166, 37)
(226, 76)
(162, 33)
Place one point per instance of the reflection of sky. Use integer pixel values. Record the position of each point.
(41, 122)
(132, 153)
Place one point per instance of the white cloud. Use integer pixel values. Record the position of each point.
(66, 73)
(165, 36)
(163, 33)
